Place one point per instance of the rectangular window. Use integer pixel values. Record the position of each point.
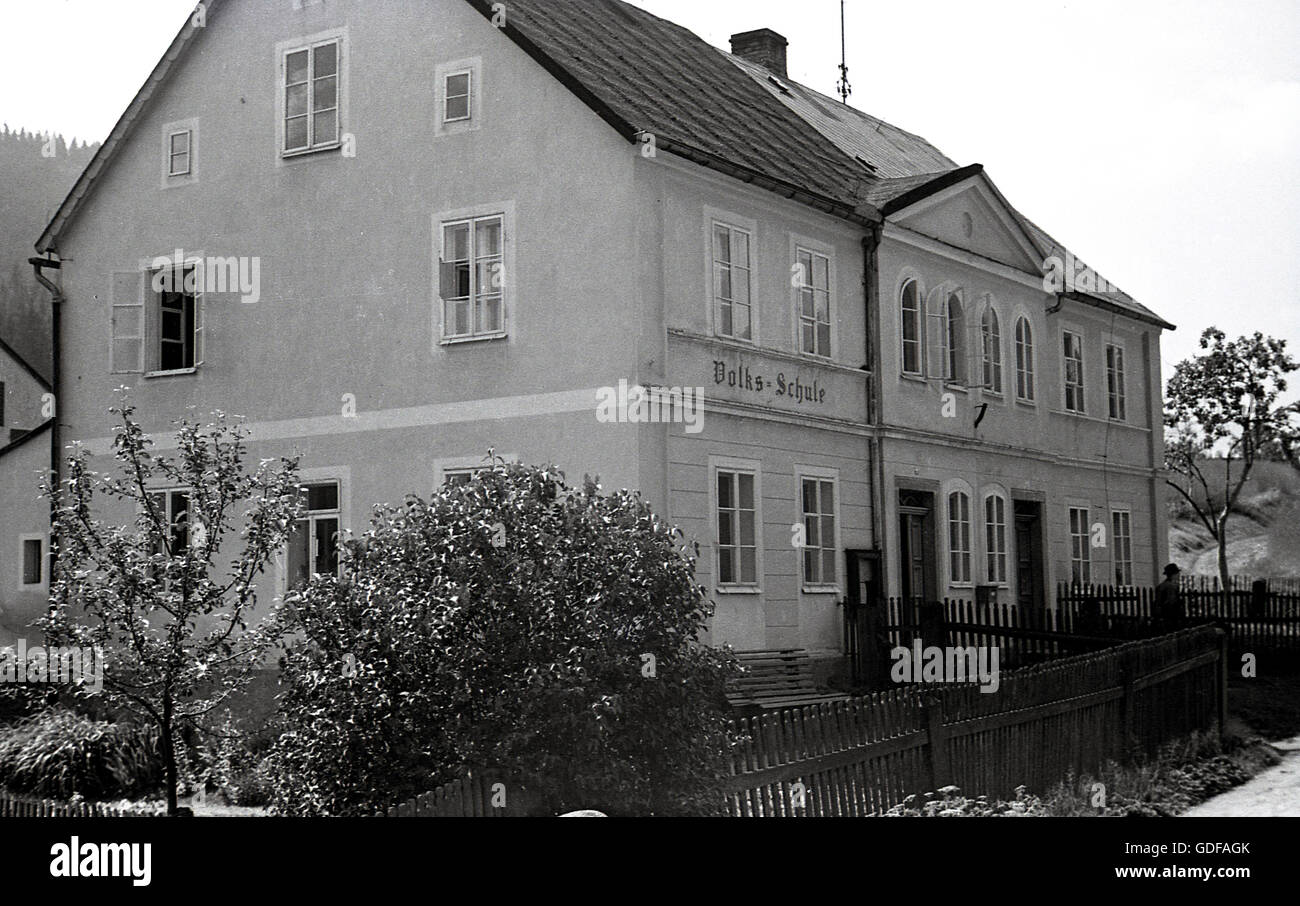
(737, 544)
(1080, 546)
(820, 550)
(178, 153)
(814, 288)
(473, 278)
(33, 561)
(1115, 389)
(456, 477)
(175, 320)
(311, 96)
(733, 314)
(1122, 539)
(457, 97)
(995, 534)
(959, 538)
(1074, 401)
(314, 545)
(173, 507)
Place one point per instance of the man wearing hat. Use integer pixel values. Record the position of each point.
(1169, 601)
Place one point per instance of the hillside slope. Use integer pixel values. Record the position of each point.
(1263, 533)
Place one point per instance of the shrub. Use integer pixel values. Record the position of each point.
(59, 754)
(511, 623)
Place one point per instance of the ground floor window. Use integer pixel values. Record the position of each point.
(819, 551)
(959, 538)
(1122, 539)
(1080, 546)
(737, 514)
(314, 546)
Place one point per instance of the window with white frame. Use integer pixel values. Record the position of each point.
(1080, 546)
(814, 290)
(1116, 391)
(311, 96)
(913, 338)
(458, 97)
(174, 319)
(1024, 360)
(172, 507)
(1073, 358)
(737, 526)
(995, 538)
(453, 478)
(959, 538)
(178, 153)
(314, 546)
(473, 278)
(955, 340)
(732, 304)
(820, 551)
(1122, 543)
(32, 562)
(991, 343)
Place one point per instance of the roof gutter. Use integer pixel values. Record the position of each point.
(1110, 307)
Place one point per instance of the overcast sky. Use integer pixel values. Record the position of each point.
(1160, 140)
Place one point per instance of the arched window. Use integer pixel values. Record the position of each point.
(911, 318)
(1024, 361)
(959, 546)
(991, 340)
(995, 537)
(955, 340)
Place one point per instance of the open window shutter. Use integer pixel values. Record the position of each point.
(199, 317)
(936, 329)
(128, 323)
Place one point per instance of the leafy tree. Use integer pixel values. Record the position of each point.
(1223, 412)
(511, 623)
(173, 628)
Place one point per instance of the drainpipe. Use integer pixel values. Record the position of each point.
(56, 294)
(875, 414)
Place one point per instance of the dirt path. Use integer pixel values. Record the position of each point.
(1274, 793)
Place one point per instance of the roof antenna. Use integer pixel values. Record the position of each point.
(844, 88)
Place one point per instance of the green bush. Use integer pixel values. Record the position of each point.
(509, 624)
(59, 754)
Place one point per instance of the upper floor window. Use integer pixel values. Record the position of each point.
(311, 96)
(737, 515)
(157, 328)
(178, 153)
(959, 538)
(733, 313)
(458, 97)
(1073, 352)
(991, 343)
(1115, 389)
(32, 552)
(813, 283)
(913, 343)
(1024, 361)
(472, 278)
(955, 340)
(820, 547)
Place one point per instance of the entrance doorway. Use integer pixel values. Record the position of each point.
(1030, 592)
(916, 566)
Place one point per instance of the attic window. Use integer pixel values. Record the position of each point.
(777, 82)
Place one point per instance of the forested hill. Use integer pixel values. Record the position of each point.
(36, 173)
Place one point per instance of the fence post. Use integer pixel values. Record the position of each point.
(1223, 684)
(1128, 705)
(940, 770)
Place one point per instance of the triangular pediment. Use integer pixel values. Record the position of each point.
(973, 216)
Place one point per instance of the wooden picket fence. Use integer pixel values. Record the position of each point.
(1072, 715)
(476, 794)
(1261, 616)
(22, 807)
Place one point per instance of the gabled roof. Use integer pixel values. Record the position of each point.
(646, 75)
(26, 438)
(25, 366)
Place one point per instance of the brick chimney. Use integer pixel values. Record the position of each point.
(764, 47)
